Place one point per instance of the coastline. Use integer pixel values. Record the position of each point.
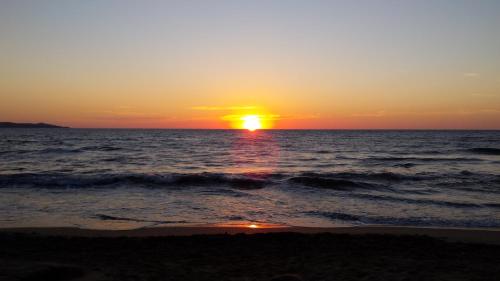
(484, 236)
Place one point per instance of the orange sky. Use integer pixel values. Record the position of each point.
(331, 65)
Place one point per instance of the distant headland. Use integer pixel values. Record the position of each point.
(28, 125)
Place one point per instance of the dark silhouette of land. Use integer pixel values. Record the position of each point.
(28, 125)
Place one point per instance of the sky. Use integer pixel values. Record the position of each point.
(393, 64)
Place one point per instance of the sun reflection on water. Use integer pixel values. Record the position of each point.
(250, 225)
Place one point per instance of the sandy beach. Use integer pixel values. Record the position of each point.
(244, 253)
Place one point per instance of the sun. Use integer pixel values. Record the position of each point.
(251, 122)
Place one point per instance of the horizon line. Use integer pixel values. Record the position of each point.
(290, 129)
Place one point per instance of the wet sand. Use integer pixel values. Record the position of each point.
(244, 253)
(488, 236)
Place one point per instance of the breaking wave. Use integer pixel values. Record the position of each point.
(485, 150)
(341, 181)
(142, 180)
(116, 218)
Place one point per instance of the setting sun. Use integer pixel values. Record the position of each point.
(251, 122)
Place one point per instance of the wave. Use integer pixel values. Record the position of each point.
(471, 182)
(350, 180)
(423, 201)
(102, 148)
(342, 181)
(58, 151)
(485, 150)
(407, 221)
(18, 152)
(60, 180)
(422, 159)
(370, 176)
(405, 165)
(329, 183)
(335, 215)
(113, 218)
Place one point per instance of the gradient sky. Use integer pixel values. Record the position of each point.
(300, 64)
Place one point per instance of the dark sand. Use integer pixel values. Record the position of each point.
(206, 253)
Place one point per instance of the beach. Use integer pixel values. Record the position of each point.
(231, 205)
(244, 253)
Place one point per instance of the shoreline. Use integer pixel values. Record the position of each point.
(484, 236)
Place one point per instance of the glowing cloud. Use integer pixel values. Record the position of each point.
(222, 108)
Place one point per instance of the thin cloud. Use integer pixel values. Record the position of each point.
(127, 113)
(222, 108)
(489, 110)
(299, 117)
(451, 112)
(379, 113)
(483, 95)
(266, 117)
(471, 74)
(272, 117)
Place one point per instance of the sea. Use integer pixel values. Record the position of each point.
(134, 178)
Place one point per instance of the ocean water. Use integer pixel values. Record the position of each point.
(120, 179)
